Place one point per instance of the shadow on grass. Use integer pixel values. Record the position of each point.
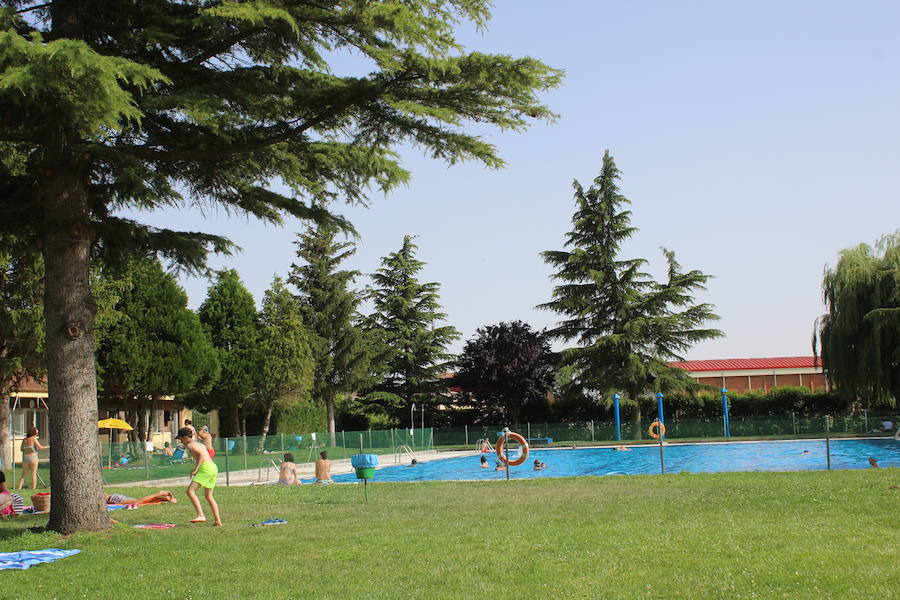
(19, 526)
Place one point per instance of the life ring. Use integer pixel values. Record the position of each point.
(662, 430)
(516, 438)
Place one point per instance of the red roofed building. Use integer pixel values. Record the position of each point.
(761, 374)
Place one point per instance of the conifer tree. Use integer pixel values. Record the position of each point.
(626, 326)
(166, 103)
(154, 345)
(229, 316)
(21, 327)
(860, 333)
(287, 366)
(405, 317)
(329, 309)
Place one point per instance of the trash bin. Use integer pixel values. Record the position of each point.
(364, 464)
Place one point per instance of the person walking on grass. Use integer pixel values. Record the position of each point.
(203, 475)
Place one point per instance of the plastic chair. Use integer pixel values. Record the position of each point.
(177, 456)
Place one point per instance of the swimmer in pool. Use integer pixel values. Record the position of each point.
(484, 463)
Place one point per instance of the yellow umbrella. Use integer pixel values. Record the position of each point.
(114, 424)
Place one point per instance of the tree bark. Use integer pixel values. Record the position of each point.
(5, 417)
(636, 416)
(235, 419)
(71, 378)
(267, 418)
(329, 407)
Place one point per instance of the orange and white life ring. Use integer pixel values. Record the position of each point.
(502, 455)
(660, 432)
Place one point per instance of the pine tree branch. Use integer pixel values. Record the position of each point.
(221, 152)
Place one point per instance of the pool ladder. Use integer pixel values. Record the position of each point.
(399, 450)
(269, 464)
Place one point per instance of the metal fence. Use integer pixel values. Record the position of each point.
(135, 461)
(770, 426)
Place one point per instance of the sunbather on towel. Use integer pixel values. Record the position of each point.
(10, 504)
(157, 498)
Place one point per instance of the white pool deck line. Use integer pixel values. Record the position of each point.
(342, 466)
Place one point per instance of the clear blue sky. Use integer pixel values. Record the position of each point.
(756, 140)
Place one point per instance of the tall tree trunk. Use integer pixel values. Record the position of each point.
(5, 417)
(636, 415)
(267, 418)
(71, 379)
(234, 419)
(329, 407)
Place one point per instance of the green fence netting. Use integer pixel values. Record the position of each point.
(258, 457)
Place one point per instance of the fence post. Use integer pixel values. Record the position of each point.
(725, 412)
(370, 439)
(467, 435)
(827, 442)
(529, 431)
(794, 422)
(592, 430)
(146, 463)
(227, 476)
(282, 443)
(245, 451)
(343, 439)
(392, 439)
(865, 420)
(662, 461)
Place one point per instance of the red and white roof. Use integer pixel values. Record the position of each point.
(749, 364)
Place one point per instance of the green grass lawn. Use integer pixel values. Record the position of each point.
(729, 535)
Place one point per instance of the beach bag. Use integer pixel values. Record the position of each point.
(18, 504)
(41, 501)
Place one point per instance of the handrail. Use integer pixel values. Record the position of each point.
(399, 450)
(269, 464)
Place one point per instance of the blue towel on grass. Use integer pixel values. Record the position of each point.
(24, 560)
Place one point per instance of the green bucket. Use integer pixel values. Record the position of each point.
(365, 473)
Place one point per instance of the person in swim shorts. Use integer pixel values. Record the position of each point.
(206, 439)
(203, 475)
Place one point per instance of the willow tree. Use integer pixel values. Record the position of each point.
(626, 326)
(166, 103)
(859, 334)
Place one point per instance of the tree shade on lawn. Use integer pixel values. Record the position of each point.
(131, 105)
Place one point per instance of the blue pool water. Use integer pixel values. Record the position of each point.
(694, 458)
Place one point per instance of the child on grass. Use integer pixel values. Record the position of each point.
(203, 475)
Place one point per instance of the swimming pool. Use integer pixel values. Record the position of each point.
(803, 455)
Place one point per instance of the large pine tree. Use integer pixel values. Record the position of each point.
(154, 344)
(229, 315)
(329, 309)
(163, 103)
(406, 317)
(287, 364)
(625, 325)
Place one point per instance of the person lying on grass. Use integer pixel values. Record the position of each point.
(157, 498)
(203, 475)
